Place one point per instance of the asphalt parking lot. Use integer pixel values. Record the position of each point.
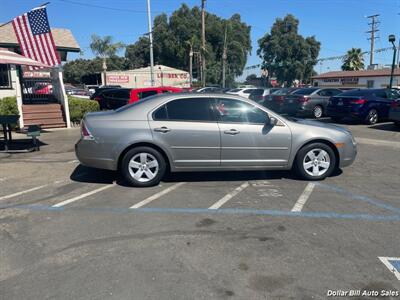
(71, 232)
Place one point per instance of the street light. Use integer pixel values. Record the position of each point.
(392, 39)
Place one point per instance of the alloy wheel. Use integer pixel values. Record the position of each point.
(317, 112)
(316, 162)
(372, 116)
(143, 167)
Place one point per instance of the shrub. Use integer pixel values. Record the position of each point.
(8, 106)
(79, 107)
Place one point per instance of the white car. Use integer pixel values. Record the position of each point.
(244, 92)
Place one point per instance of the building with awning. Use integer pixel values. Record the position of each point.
(40, 94)
(379, 78)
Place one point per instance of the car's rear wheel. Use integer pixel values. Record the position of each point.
(318, 111)
(315, 161)
(372, 117)
(143, 166)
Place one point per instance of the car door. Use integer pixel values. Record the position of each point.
(382, 102)
(246, 139)
(188, 129)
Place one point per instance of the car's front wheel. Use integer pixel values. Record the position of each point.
(315, 161)
(143, 166)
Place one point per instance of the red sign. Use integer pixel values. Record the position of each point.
(117, 78)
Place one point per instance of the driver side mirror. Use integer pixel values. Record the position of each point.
(271, 121)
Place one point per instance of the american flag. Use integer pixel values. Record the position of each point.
(34, 37)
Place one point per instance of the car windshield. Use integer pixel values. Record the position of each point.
(307, 91)
(235, 90)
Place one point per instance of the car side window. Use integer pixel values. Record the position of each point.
(335, 92)
(146, 94)
(248, 91)
(189, 109)
(394, 94)
(381, 94)
(235, 111)
(123, 94)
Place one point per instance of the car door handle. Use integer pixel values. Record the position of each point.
(232, 131)
(162, 129)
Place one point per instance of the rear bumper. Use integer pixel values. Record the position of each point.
(344, 113)
(88, 155)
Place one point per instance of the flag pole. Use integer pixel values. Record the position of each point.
(4, 24)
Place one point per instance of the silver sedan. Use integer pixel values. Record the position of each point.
(208, 132)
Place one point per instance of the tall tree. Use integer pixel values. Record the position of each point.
(173, 37)
(104, 47)
(354, 60)
(287, 54)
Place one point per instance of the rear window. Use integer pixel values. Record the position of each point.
(304, 91)
(257, 92)
(146, 94)
(280, 92)
(248, 91)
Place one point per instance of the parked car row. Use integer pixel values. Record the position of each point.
(367, 105)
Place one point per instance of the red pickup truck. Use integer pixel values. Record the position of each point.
(115, 98)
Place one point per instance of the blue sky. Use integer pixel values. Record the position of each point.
(337, 24)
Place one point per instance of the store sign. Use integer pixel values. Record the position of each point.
(343, 81)
(173, 75)
(117, 78)
(33, 74)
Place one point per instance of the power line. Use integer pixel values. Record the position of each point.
(104, 7)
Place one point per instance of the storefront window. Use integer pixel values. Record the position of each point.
(5, 80)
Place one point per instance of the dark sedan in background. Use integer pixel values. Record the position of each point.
(367, 105)
(394, 112)
(275, 100)
(309, 101)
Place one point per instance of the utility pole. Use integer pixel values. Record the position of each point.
(191, 64)
(151, 43)
(224, 57)
(203, 42)
(374, 23)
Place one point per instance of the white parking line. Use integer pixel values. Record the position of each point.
(156, 196)
(229, 196)
(28, 190)
(386, 261)
(3, 179)
(303, 197)
(68, 201)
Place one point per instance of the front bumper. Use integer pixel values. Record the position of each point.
(347, 154)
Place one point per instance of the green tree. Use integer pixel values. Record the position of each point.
(104, 48)
(173, 37)
(354, 60)
(287, 54)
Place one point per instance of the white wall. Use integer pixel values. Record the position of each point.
(10, 92)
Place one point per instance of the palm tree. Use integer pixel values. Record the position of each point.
(104, 48)
(354, 60)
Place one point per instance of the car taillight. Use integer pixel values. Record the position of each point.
(395, 104)
(358, 101)
(304, 99)
(97, 98)
(86, 135)
(279, 98)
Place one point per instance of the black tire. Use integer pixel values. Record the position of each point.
(318, 112)
(336, 119)
(372, 117)
(127, 174)
(301, 157)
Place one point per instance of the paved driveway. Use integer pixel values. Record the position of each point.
(71, 232)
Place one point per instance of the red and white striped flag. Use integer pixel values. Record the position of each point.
(34, 37)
